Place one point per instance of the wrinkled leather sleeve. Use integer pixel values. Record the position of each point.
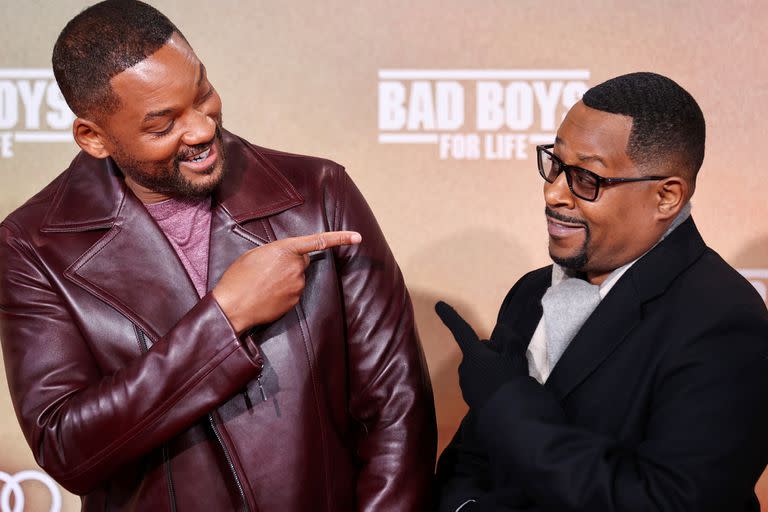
(390, 392)
(81, 424)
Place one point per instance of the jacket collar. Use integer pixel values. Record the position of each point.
(92, 191)
(261, 191)
(622, 309)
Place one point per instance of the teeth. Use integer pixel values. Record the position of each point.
(202, 156)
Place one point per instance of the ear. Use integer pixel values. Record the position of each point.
(90, 137)
(671, 196)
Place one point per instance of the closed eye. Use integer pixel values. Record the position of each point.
(165, 131)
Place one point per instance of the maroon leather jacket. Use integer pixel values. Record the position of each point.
(136, 394)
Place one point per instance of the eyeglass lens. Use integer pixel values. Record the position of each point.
(582, 184)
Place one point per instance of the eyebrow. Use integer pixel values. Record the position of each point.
(584, 157)
(157, 113)
(166, 111)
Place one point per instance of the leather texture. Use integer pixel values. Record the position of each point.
(136, 394)
(658, 403)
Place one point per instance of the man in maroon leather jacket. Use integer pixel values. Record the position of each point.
(295, 383)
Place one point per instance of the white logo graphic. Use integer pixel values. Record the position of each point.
(32, 109)
(759, 279)
(486, 114)
(12, 487)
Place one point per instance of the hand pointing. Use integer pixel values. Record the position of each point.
(486, 365)
(265, 282)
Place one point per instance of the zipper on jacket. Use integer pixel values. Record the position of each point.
(229, 461)
(252, 333)
(261, 390)
(169, 478)
(144, 346)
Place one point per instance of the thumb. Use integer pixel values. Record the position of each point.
(459, 327)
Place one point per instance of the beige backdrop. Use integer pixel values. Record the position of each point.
(399, 92)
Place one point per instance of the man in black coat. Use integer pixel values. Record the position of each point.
(631, 375)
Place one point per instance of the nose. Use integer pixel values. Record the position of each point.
(201, 128)
(558, 194)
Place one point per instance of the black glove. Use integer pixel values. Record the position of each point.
(486, 365)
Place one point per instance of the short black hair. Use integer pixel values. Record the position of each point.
(668, 126)
(101, 42)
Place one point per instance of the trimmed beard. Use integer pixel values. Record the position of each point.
(579, 260)
(169, 180)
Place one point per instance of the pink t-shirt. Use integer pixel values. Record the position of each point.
(187, 225)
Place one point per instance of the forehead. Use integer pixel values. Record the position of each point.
(159, 78)
(589, 134)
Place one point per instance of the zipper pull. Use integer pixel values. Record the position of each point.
(261, 390)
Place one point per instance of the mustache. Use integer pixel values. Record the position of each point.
(549, 212)
(199, 148)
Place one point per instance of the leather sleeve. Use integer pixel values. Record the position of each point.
(390, 392)
(703, 449)
(81, 424)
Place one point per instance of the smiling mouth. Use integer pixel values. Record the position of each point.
(200, 156)
(559, 230)
(201, 160)
(559, 226)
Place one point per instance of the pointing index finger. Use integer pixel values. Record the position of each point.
(321, 241)
(461, 330)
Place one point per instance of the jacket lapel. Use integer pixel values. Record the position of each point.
(229, 240)
(622, 309)
(524, 318)
(132, 267)
(253, 188)
(604, 330)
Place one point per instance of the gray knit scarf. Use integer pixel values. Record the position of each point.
(568, 303)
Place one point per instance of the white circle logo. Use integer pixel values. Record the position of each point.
(12, 487)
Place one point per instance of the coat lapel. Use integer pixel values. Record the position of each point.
(524, 318)
(622, 309)
(135, 269)
(253, 188)
(229, 240)
(604, 330)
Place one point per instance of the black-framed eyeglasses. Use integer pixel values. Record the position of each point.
(582, 182)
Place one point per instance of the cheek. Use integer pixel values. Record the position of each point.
(608, 223)
(618, 230)
(160, 150)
